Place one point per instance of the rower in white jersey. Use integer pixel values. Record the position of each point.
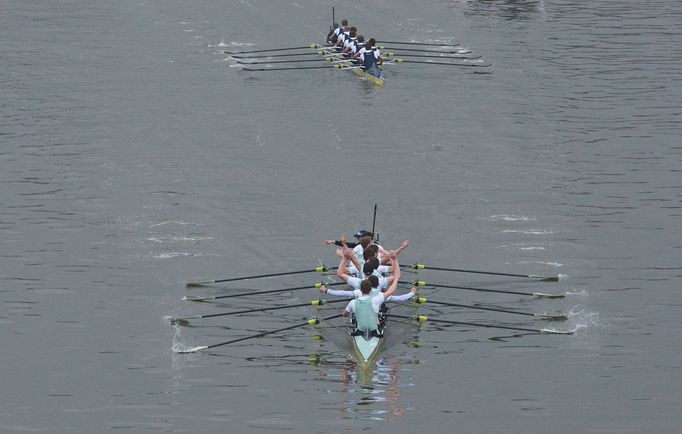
(349, 41)
(343, 36)
(357, 46)
(370, 57)
(367, 307)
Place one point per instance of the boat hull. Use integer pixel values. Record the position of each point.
(366, 350)
(379, 81)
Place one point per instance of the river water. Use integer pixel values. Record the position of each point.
(135, 157)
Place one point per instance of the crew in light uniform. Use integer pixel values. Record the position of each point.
(367, 307)
(355, 282)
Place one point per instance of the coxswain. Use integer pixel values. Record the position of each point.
(333, 37)
(358, 235)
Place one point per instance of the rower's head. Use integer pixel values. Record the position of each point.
(370, 252)
(371, 41)
(365, 241)
(365, 287)
(353, 31)
(370, 266)
(361, 39)
(373, 280)
(344, 23)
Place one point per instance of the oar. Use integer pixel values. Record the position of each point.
(319, 302)
(528, 276)
(320, 269)
(258, 62)
(275, 49)
(317, 53)
(422, 318)
(420, 43)
(312, 321)
(475, 65)
(298, 68)
(270, 291)
(501, 291)
(453, 56)
(462, 51)
(548, 317)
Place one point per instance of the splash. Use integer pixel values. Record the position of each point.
(179, 347)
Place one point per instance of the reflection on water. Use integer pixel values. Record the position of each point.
(506, 9)
(371, 394)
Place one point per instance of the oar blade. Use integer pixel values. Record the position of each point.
(556, 332)
(197, 299)
(189, 350)
(544, 278)
(548, 296)
(549, 317)
(199, 284)
(182, 322)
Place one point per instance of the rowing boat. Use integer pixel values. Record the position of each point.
(356, 69)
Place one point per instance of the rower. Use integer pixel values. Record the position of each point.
(349, 41)
(342, 35)
(370, 57)
(366, 308)
(357, 46)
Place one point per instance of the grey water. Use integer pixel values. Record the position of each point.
(136, 156)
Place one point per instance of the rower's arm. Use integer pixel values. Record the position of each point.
(350, 308)
(402, 247)
(396, 275)
(340, 293)
(355, 262)
(341, 272)
(338, 243)
(404, 297)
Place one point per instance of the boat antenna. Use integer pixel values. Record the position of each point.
(374, 221)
